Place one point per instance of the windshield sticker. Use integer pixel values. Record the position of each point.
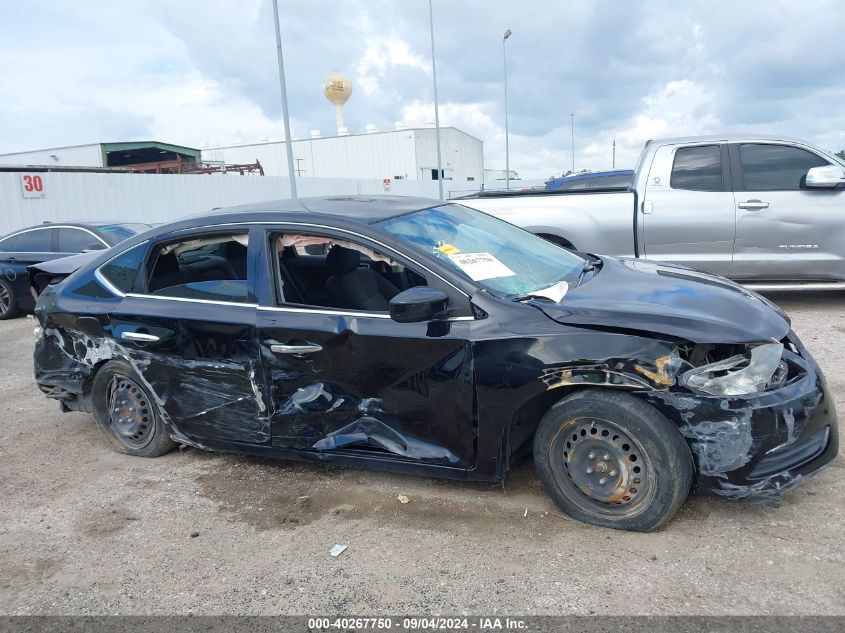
(480, 266)
(448, 249)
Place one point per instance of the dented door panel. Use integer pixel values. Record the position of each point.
(202, 368)
(402, 389)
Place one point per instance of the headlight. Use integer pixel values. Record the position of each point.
(738, 375)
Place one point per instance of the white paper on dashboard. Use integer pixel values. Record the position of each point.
(480, 266)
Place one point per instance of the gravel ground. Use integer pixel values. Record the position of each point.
(84, 530)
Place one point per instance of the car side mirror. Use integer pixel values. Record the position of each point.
(418, 304)
(93, 247)
(826, 177)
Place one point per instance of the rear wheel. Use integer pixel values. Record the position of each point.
(8, 301)
(126, 412)
(609, 459)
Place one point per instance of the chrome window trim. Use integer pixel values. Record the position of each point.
(105, 282)
(135, 295)
(371, 315)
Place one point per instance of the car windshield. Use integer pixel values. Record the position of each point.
(498, 256)
(116, 233)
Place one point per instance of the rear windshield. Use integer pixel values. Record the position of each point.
(116, 233)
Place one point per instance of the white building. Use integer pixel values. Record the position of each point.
(403, 154)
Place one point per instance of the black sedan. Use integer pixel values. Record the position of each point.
(48, 241)
(425, 337)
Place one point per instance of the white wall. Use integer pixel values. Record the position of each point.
(410, 154)
(77, 156)
(72, 196)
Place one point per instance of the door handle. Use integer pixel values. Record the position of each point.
(753, 205)
(139, 336)
(307, 348)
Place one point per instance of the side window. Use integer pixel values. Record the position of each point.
(77, 240)
(9, 244)
(326, 272)
(121, 271)
(775, 167)
(613, 182)
(697, 168)
(210, 267)
(572, 185)
(37, 241)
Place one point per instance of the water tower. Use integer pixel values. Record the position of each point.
(338, 88)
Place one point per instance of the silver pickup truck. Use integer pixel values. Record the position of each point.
(767, 212)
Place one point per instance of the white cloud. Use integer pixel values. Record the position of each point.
(122, 71)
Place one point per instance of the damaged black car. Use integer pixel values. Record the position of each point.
(424, 337)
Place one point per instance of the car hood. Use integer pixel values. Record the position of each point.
(660, 298)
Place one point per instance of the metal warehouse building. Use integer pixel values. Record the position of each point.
(402, 154)
(104, 155)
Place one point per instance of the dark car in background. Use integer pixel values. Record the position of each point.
(426, 337)
(36, 244)
(617, 179)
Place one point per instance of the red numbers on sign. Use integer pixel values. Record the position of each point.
(33, 183)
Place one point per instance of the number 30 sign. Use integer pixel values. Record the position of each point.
(32, 186)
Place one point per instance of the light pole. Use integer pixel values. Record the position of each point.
(288, 139)
(614, 154)
(507, 137)
(436, 104)
(572, 138)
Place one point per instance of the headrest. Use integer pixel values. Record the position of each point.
(341, 261)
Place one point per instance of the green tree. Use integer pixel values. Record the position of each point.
(841, 153)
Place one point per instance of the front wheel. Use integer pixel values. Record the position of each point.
(611, 460)
(127, 413)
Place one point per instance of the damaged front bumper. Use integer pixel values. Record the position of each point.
(759, 445)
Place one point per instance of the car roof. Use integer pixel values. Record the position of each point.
(365, 209)
(728, 138)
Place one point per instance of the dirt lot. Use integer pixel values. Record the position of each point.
(84, 530)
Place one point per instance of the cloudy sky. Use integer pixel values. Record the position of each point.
(204, 72)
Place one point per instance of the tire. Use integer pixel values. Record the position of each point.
(609, 459)
(8, 301)
(126, 413)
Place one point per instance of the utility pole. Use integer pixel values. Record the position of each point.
(436, 105)
(614, 154)
(288, 139)
(507, 135)
(572, 137)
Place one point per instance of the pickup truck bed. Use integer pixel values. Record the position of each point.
(764, 211)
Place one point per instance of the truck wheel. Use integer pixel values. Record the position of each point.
(609, 459)
(8, 301)
(126, 412)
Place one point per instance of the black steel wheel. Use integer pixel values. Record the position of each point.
(130, 413)
(609, 459)
(8, 300)
(606, 465)
(127, 413)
